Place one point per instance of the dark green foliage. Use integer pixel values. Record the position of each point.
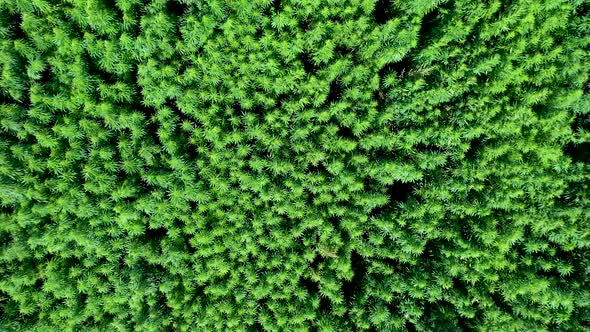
(184, 165)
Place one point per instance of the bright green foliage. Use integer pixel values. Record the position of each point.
(294, 165)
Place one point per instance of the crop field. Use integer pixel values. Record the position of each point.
(294, 165)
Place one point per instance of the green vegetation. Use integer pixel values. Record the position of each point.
(294, 165)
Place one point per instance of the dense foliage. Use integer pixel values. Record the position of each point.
(298, 165)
